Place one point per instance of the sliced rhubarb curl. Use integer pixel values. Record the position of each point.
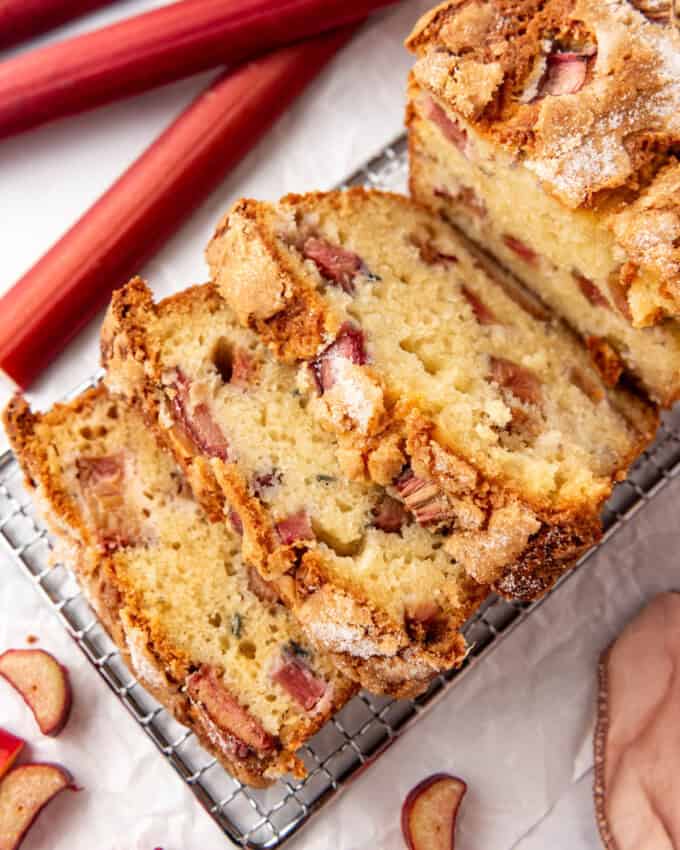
(424, 499)
(349, 345)
(428, 815)
(483, 314)
(590, 291)
(336, 264)
(101, 484)
(207, 690)
(565, 74)
(389, 515)
(294, 528)
(293, 674)
(197, 422)
(520, 381)
(636, 737)
(451, 129)
(523, 251)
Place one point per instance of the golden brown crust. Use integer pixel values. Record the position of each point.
(610, 143)
(376, 650)
(561, 534)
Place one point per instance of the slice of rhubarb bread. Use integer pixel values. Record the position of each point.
(550, 132)
(367, 584)
(444, 382)
(195, 626)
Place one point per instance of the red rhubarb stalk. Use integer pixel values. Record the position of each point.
(165, 44)
(22, 19)
(144, 207)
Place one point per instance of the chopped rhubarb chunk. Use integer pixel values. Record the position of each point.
(425, 499)
(521, 249)
(619, 284)
(101, 483)
(266, 481)
(349, 344)
(456, 134)
(236, 522)
(566, 73)
(243, 368)
(335, 263)
(591, 291)
(389, 515)
(295, 527)
(197, 421)
(518, 380)
(208, 691)
(264, 591)
(482, 313)
(293, 674)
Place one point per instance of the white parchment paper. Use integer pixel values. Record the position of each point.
(517, 729)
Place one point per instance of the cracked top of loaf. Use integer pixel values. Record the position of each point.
(585, 94)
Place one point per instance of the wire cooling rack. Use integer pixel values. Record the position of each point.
(364, 728)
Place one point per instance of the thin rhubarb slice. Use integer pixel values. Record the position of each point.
(294, 528)
(520, 381)
(101, 481)
(428, 816)
(42, 682)
(483, 314)
(637, 738)
(451, 129)
(156, 47)
(24, 793)
(389, 515)
(292, 672)
(523, 251)
(197, 422)
(210, 695)
(128, 224)
(348, 345)
(335, 263)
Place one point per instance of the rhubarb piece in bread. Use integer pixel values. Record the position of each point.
(171, 587)
(371, 587)
(549, 133)
(483, 415)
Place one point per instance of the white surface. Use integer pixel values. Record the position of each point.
(517, 729)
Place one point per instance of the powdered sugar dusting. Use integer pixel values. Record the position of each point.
(585, 137)
(343, 637)
(139, 657)
(359, 406)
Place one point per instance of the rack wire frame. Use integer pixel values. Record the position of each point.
(363, 729)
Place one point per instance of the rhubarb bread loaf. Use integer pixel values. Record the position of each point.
(549, 132)
(199, 631)
(375, 590)
(443, 381)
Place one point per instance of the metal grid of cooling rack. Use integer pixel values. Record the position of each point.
(364, 728)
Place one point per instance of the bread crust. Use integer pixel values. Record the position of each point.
(564, 532)
(610, 145)
(160, 666)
